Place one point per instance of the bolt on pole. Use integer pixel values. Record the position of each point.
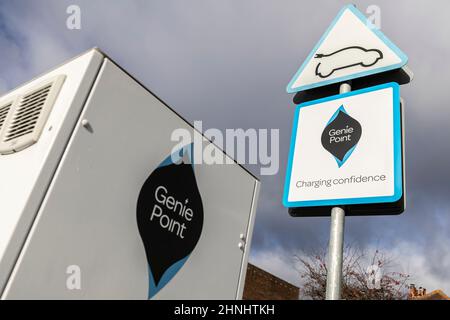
(336, 245)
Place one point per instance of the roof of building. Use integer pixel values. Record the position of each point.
(262, 285)
(433, 295)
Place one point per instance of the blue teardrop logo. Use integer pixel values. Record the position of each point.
(169, 217)
(341, 135)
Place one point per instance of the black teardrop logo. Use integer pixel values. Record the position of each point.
(169, 217)
(341, 135)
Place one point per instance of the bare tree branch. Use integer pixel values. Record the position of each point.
(391, 285)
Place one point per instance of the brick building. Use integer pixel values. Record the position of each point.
(262, 285)
(422, 294)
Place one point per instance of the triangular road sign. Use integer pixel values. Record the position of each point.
(352, 47)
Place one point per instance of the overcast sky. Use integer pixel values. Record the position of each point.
(227, 63)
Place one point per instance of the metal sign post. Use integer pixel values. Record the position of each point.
(335, 254)
(336, 244)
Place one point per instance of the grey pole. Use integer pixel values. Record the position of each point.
(336, 245)
(335, 253)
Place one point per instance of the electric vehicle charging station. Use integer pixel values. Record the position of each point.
(78, 148)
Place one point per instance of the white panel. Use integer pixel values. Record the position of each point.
(89, 216)
(353, 159)
(373, 155)
(25, 175)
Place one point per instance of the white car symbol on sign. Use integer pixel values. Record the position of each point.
(346, 58)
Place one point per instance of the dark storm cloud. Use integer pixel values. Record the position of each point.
(228, 62)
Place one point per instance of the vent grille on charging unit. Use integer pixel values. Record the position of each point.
(27, 113)
(28, 116)
(4, 110)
